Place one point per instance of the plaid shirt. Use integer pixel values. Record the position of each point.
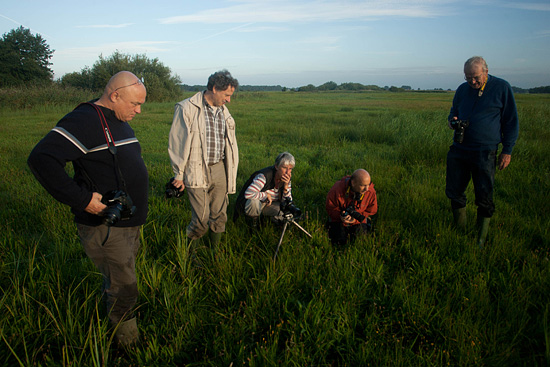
(215, 133)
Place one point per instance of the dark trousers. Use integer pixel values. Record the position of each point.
(478, 166)
(340, 235)
(116, 260)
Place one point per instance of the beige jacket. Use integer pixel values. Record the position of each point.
(187, 145)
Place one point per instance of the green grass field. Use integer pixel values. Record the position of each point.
(416, 293)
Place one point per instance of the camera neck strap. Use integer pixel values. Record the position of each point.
(110, 143)
(357, 197)
(479, 94)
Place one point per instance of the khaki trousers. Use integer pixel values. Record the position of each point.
(209, 205)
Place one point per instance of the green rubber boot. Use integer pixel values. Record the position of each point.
(459, 216)
(483, 227)
(127, 333)
(215, 239)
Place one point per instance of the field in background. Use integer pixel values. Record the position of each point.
(414, 293)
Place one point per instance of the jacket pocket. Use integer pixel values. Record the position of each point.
(194, 170)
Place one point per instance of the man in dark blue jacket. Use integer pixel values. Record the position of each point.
(483, 116)
(106, 157)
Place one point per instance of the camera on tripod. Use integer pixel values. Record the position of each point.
(459, 126)
(171, 190)
(119, 207)
(350, 210)
(290, 211)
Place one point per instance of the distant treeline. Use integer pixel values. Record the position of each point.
(332, 86)
(247, 88)
(308, 88)
(536, 90)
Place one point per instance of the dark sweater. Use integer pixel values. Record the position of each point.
(78, 138)
(493, 116)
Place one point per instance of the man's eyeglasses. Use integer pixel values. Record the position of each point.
(139, 81)
(478, 78)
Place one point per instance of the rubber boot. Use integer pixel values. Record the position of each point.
(215, 238)
(483, 227)
(459, 216)
(127, 333)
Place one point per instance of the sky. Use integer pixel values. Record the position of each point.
(418, 43)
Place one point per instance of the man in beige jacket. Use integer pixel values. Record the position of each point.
(204, 154)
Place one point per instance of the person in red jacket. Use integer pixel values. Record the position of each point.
(350, 204)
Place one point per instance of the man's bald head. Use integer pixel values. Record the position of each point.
(121, 80)
(360, 181)
(124, 94)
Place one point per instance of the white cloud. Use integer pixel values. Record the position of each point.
(137, 47)
(106, 25)
(530, 6)
(324, 11)
(321, 43)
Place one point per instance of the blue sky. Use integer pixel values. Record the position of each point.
(419, 43)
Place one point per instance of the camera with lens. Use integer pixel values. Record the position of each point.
(290, 211)
(459, 126)
(172, 191)
(119, 207)
(350, 210)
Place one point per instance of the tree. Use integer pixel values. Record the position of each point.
(161, 86)
(24, 58)
(328, 86)
(307, 88)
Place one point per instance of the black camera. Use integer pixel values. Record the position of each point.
(290, 211)
(350, 210)
(172, 191)
(459, 126)
(119, 207)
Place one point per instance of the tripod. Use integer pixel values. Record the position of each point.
(288, 219)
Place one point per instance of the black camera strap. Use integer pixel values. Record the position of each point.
(355, 196)
(110, 143)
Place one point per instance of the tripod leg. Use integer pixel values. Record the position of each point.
(303, 230)
(280, 241)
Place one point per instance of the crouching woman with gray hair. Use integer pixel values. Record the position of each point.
(264, 191)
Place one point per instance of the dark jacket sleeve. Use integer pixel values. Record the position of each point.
(47, 162)
(509, 121)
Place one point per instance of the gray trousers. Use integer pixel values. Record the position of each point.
(209, 205)
(116, 260)
(254, 207)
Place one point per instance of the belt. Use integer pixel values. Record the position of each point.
(213, 164)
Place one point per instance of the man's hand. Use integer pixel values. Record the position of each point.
(348, 219)
(449, 122)
(178, 184)
(504, 161)
(95, 206)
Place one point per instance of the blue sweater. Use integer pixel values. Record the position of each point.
(493, 116)
(78, 138)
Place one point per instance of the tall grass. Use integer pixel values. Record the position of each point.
(414, 293)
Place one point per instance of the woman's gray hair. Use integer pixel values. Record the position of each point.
(285, 159)
(476, 60)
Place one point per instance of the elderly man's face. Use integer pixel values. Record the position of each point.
(475, 76)
(359, 185)
(128, 102)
